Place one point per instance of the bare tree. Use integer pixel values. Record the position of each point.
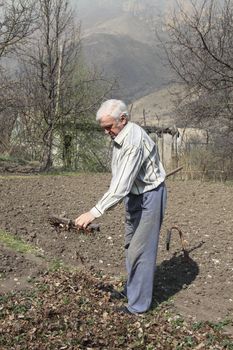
(56, 92)
(199, 49)
(8, 114)
(17, 22)
(47, 66)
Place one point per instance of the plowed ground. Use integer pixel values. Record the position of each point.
(200, 287)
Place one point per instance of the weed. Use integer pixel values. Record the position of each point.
(4, 298)
(220, 325)
(19, 338)
(150, 347)
(121, 340)
(90, 322)
(83, 301)
(66, 300)
(75, 341)
(198, 325)
(56, 265)
(189, 341)
(43, 287)
(227, 344)
(157, 306)
(31, 279)
(176, 321)
(211, 339)
(20, 309)
(2, 275)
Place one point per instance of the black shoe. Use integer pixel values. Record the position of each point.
(118, 295)
(123, 310)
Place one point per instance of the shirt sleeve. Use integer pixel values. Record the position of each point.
(122, 181)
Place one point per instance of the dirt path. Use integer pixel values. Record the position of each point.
(201, 288)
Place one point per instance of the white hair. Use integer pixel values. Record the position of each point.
(113, 108)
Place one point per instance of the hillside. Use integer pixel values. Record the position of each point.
(158, 107)
(124, 25)
(124, 47)
(134, 64)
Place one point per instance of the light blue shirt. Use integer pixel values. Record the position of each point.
(136, 167)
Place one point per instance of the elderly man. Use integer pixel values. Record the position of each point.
(138, 178)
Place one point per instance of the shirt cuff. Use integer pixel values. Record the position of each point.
(95, 212)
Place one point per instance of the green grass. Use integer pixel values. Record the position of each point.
(198, 325)
(6, 158)
(217, 326)
(221, 324)
(10, 159)
(56, 265)
(45, 174)
(59, 172)
(18, 244)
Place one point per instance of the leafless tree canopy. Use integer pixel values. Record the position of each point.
(50, 90)
(16, 19)
(17, 22)
(200, 51)
(56, 87)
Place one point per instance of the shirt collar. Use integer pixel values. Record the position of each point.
(122, 134)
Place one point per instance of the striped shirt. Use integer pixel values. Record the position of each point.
(136, 167)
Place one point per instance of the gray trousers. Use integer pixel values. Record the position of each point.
(144, 216)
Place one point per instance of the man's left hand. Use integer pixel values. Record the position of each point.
(84, 220)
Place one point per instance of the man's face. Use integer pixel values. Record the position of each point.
(111, 126)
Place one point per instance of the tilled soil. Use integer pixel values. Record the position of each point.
(201, 286)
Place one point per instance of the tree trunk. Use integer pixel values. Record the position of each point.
(47, 160)
(7, 123)
(67, 151)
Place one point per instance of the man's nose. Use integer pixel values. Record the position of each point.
(106, 131)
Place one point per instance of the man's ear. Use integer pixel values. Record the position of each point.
(124, 119)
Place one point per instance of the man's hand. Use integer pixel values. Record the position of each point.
(84, 220)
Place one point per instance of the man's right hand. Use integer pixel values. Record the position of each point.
(84, 220)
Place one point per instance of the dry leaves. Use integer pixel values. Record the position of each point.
(70, 311)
